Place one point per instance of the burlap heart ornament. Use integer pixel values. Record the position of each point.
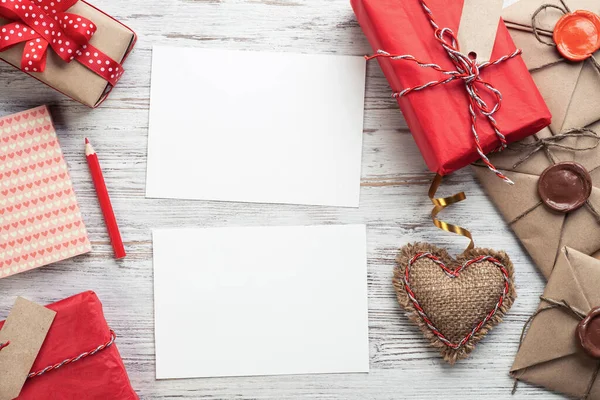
(455, 303)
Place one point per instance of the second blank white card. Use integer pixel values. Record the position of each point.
(260, 301)
(255, 126)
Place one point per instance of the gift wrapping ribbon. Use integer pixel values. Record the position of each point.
(468, 71)
(111, 341)
(43, 24)
(454, 274)
(440, 204)
(578, 314)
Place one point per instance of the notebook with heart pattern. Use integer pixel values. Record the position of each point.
(40, 220)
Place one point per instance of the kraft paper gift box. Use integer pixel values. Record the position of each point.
(551, 354)
(569, 88)
(542, 230)
(438, 117)
(79, 327)
(113, 40)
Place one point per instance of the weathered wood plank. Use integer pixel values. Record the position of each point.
(394, 205)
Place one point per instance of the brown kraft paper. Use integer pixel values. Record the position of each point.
(570, 89)
(551, 354)
(540, 229)
(478, 26)
(25, 328)
(571, 92)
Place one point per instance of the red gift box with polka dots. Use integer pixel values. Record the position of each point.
(69, 45)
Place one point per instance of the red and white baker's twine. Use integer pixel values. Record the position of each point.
(113, 337)
(468, 70)
(453, 274)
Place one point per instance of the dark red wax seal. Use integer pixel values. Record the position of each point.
(565, 186)
(577, 35)
(588, 332)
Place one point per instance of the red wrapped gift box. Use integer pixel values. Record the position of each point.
(438, 117)
(79, 327)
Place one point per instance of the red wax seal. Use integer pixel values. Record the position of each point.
(565, 186)
(588, 332)
(577, 35)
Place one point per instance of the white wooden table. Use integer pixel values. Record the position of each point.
(394, 205)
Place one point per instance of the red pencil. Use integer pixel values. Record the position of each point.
(104, 199)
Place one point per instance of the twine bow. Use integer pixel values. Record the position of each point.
(534, 21)
(43, 24)
(468, 71)
(577, 314)
(555, 141)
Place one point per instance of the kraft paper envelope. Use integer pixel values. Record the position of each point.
(542, 231)
(570, 89)
(551, 354)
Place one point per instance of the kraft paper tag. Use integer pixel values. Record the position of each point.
(26, 328)
(478, 27)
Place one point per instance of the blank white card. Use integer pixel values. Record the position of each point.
(260, 301)
(255, 127)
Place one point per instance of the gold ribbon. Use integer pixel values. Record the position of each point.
(440, 204)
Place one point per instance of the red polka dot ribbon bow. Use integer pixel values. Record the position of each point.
(45, 23)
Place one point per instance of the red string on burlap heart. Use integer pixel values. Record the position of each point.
(44, 24)
(453, 273)
(454, 302)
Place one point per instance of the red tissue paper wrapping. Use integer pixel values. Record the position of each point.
(438, 117)
(79, 326)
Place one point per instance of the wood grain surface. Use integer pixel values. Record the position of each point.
(394, 205)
